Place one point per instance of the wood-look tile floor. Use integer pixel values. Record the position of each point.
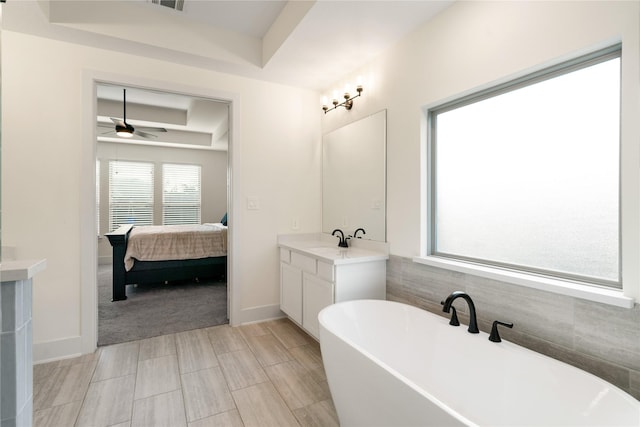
(264, 374)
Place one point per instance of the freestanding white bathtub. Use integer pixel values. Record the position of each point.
(391, 364)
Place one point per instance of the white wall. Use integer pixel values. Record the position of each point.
(472, 45)
(49, 155)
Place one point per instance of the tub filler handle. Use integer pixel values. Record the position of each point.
(495, 336)
(454, 316)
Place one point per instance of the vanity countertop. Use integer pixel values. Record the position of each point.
(13, 270)
(327, 250)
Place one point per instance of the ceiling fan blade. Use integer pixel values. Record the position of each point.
(111, 132)
(150, 129)
(118, 122)
(144, 134)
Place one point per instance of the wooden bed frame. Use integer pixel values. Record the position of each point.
(144, 272)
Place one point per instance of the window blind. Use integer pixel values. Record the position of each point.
(130, 193)
(181, 194)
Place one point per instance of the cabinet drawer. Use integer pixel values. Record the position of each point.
(325, 271)
(303, 262)
(285, 255)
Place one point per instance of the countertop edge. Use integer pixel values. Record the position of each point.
(13, 270)
(372, 256)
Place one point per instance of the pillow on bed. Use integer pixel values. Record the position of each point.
(224, 219)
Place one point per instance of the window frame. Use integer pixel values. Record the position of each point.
(571, 285)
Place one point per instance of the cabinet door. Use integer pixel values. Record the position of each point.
(291, 291)
(317, 294)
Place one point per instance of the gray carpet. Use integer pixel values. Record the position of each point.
(158, 309)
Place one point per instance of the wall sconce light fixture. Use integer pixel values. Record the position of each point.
(348, 99)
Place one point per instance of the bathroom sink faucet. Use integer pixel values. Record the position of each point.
(473, 323)
(355, 234)
(343, 241)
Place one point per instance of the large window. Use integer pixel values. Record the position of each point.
(180, 194)
(130, 193)
(526, 175)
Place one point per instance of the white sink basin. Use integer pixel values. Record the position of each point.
(328, 250)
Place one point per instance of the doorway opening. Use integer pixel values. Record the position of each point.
(171, 170)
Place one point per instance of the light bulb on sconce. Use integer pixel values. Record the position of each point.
(347, 90)
(348, 99)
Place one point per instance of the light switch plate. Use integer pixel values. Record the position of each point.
(253, 203)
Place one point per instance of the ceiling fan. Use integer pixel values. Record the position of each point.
(125, 130)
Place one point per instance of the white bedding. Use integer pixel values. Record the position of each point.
(175, 242)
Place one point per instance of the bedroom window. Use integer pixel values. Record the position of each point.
(181, 198)
(130, 193)
(525, 176)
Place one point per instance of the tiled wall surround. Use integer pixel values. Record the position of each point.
(16, 367)
(598, 338)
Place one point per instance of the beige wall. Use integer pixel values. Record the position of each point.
(48, 175)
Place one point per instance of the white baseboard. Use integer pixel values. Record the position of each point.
(56, 350)
(72, 347)
(259, 314)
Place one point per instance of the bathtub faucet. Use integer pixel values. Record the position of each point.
(473, 323)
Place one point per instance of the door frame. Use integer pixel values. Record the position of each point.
(87, 214)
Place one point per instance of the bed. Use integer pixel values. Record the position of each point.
(152, 254)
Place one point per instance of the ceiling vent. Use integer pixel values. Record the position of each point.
(172, 4)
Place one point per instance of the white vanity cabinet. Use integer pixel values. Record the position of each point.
(317, 294)
(309, 282)
(291, 291)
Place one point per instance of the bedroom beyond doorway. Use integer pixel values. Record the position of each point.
(161, 159)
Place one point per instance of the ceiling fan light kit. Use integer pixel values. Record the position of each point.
(124, 131)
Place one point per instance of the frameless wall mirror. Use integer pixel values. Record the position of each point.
(354, 178)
